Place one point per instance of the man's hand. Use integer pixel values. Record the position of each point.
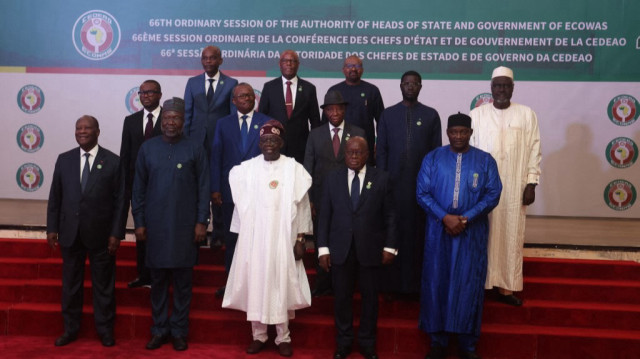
(216, 198)
(52, 239)
(387, 257)
(454, 225)
(325, 262)
(114, 244)
(529, 194)
(298, 250)
(201, 232)
(141, 233)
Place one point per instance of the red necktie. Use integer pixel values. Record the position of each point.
(336, 141)
(289, 100)
(148, 128)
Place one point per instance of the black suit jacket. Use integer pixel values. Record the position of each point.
(318, 156)
(305, 112)
(132, 138)
(371, 226)
(94, 215)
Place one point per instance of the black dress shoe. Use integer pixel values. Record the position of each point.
(436, 352)
(107, 340)
(156, 342)
(468, 355)
(341, 352)
(179, 343)
(509, 299)
(369, 352)
(65, 339)
(220, 292)
(138, 283)
(255, 347)
(284, 349)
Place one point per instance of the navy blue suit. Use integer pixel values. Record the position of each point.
(84, 221)
(200, 116)
(227, 152)
(132, 139)
(305, 112)
(356, 238)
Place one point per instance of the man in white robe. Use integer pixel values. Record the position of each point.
(510, 133)
(272, 214)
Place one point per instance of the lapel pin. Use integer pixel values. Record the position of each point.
(369, 185)
(179, 165)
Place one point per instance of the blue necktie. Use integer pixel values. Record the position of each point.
(243, 132)
(355, 190)
(85, 172)
(210, 91)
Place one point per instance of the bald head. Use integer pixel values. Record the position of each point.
(356, 153)
(211, 60)
(289, 63)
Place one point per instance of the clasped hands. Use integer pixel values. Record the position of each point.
(454, 224)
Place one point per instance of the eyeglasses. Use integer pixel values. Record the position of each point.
(147, 93)
(353, 66)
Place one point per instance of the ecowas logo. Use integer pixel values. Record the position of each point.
(29, 177)
(620, 195)
(623, 110)
(132, 100)
(481, 99)
(30, 99)
(30, 138)
(96, 35)
(622, 152)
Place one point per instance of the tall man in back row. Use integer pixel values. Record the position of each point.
(509, 131)
(292, 101)
(137, 128)
(365, 101)
(406, 133)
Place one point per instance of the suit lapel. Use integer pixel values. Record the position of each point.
(300, 99)
(157, 128)
(96, 169)
(237, 136)
(252, 136)
(217, 94)
(364, 191)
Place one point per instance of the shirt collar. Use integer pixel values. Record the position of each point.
(93, 152)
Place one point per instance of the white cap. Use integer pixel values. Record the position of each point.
(502, 71)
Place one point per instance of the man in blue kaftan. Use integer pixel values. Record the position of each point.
(458, 185)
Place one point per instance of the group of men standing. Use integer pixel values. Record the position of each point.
(271, 182)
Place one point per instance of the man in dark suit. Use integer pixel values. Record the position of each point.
(85, 215)
(356, 235)
(137, 128)
(207, 98)
(324, 153)
(236, 140)
(292, 101)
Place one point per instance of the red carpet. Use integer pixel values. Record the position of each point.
(573, 309)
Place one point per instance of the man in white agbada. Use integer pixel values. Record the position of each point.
(267, 279)
(509, 131)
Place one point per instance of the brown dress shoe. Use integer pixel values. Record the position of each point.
(285, 349)
(255, 347)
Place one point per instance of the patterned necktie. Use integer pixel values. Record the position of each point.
(288, 101)
(148, 128)
(85, 172)
(336, 141)
(210, 91)
(355, 190)
(244, 132)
